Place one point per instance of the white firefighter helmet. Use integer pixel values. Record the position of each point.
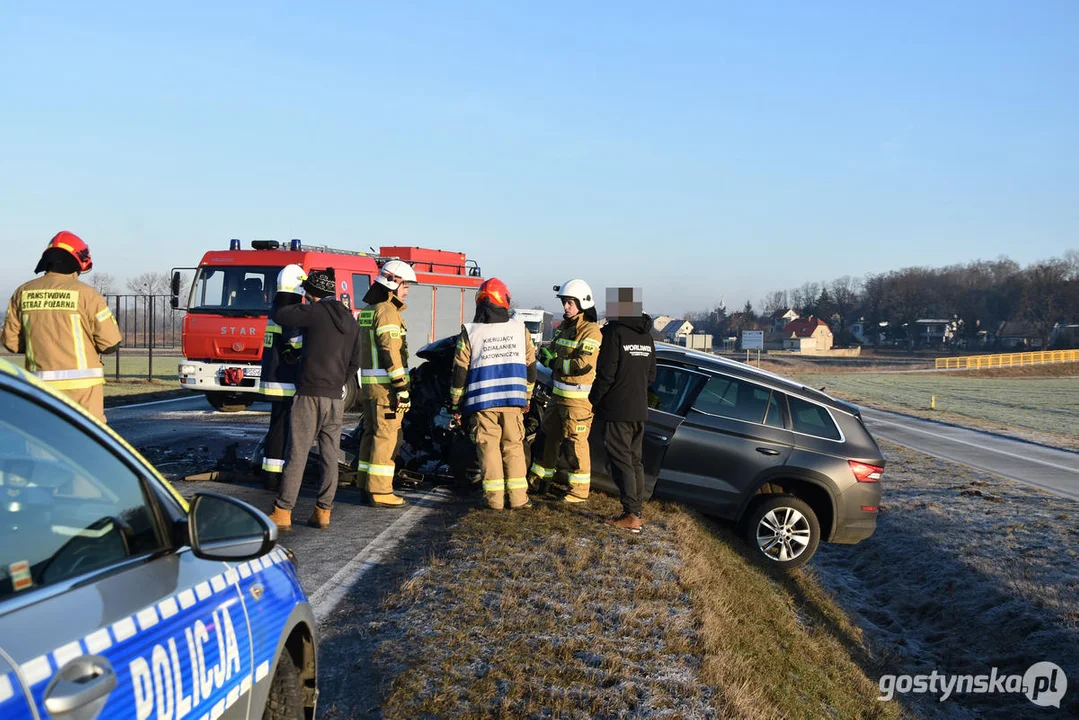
(290, 279)
(578, 290)
(393, 272)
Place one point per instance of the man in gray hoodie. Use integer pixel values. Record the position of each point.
(331, 355)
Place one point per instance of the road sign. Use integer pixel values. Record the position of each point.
(752, 339)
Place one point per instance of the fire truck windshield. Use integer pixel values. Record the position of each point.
(234, 290)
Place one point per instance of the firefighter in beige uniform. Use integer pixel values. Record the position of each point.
(383, 379)
(572, 360)
(63, 324)
(494, 372)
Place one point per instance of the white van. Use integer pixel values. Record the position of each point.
(538, 322)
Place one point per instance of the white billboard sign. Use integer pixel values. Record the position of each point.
(752, 339)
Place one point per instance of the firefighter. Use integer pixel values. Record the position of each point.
(384, 380)
(281, 348)
(494, 372)
(63, 324)
(571, 357)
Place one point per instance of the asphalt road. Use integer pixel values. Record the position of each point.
(368, 552)
(185, 436)
(1055, 471)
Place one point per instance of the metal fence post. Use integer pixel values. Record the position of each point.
(150, 344)
(117, 319)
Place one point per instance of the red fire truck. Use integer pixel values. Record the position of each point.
(230, 297)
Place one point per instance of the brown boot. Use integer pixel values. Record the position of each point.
(628, 521)
(387, 500)
(281, 518)
(320, 518)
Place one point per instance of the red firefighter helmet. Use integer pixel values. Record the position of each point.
(71, 242)
(495, 292)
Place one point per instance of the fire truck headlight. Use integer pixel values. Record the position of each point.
(187, 369)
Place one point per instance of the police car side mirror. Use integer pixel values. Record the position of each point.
(224, 528)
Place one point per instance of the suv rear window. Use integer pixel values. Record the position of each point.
(811, 419)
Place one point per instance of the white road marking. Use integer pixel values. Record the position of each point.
(938, 436)
(330, 593)
(152, 402)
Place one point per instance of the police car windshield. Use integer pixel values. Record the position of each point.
(234, 290)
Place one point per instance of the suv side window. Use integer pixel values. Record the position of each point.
(812, 419)
(735, 398)
(68, 506)
(672, 389)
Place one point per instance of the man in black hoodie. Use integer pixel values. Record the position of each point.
(625, 369)
(331, 354)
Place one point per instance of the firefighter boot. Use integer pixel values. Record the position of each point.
(282, 519)
(320, 518)
(387, 500)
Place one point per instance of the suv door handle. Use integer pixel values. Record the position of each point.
(80, 682)
(767, 451)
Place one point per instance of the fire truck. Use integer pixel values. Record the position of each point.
(232, 291)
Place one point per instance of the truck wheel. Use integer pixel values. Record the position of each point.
(782, 532)
(285, 701)
(350, 393)
(228, 402)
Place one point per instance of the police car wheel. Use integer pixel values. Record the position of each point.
(285, 701)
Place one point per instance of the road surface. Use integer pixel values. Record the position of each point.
(1055, 471)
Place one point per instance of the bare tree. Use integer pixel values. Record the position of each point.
(150, 283)
(1044, 299)
(844, 292)
(777, 300)
(104, 283)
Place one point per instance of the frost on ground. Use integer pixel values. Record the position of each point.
(562, 626)
(966, 571)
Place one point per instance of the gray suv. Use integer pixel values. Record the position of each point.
(789, 464)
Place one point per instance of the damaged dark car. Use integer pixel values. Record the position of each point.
(790, 466)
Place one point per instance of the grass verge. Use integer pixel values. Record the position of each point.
(549, 613)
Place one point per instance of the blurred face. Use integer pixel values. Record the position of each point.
(569, 305)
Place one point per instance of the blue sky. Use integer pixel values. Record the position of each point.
(702, 151)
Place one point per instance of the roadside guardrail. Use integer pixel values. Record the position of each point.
(1007, 359)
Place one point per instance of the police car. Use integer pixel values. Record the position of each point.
(118, 599)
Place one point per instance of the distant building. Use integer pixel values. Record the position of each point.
(809, 334)
(675, 331)
(781, 317)
(930, 332)
(1019, 336)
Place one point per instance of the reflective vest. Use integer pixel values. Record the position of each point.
(573, 369)
(498, 369)
(281, 348)
(383, 349)
(62, 324)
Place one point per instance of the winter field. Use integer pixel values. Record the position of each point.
(1040, 409)
(966, 571)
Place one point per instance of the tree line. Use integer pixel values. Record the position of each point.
(974, 298)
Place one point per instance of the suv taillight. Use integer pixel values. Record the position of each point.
(865, 473)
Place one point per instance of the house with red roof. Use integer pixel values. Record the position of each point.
(807, 335)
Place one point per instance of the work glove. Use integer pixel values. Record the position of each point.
(402, 402)
(546, 357)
